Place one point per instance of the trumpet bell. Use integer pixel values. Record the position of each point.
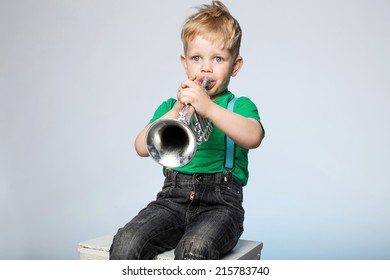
(171, 143)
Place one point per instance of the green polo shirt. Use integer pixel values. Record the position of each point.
(210, 155)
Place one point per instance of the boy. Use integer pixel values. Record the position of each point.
(199, 209)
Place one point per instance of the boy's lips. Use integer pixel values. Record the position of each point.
(210, 83)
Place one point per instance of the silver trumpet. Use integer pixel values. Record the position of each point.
(173, 142)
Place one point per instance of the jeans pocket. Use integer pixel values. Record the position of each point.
(230, 195)
(165, 191)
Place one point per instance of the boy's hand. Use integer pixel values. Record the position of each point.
(193, 93)
(178, 105)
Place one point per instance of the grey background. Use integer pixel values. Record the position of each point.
(79, 79)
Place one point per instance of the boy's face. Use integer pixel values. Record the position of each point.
(205, 60)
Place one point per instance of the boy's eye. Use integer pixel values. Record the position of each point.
(218, 59)
(196, 58)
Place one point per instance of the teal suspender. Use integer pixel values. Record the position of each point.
(229, 151)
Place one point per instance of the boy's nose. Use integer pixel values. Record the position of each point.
(206, 67)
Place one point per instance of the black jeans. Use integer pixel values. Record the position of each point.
(201, 215)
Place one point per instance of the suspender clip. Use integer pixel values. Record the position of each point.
(228, 174)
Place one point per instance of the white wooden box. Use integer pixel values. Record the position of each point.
(98, 249)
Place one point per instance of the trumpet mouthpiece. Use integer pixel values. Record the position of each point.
(205, 83)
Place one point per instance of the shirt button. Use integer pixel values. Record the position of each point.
(199, 177)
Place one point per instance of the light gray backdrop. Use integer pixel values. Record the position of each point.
(79, 79)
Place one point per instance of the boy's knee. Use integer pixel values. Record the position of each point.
(196, 249)
(125, 246)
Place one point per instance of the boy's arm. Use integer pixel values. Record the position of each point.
(140, 143)
(246, 132)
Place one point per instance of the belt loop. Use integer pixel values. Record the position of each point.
(219, 177)
(170, 174)
(173, 177)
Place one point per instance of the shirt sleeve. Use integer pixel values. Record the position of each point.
(245, 107)
(164, 108)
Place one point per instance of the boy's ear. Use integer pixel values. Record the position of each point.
(183, 61)
(237, 65)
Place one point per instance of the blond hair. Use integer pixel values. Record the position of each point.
(215, 23)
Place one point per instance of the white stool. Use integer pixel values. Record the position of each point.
(98, 249)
